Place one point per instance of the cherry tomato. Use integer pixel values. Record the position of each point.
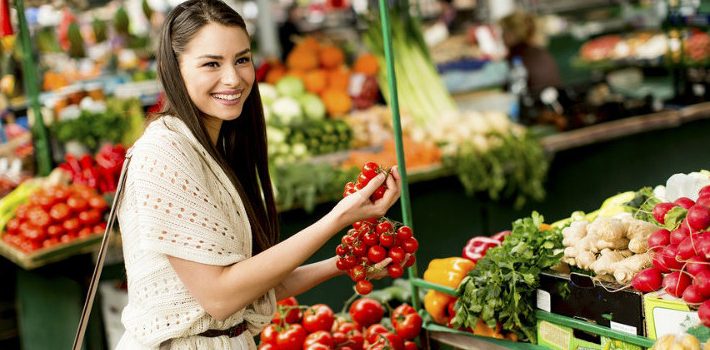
(46, 201)
(370, 169)
(386, 239)
(59, 212)
(383, 227)
(376, 254)
(395, 270)
(412, 259)
(363, 287)
(85, 232)
(268, 335)
(289, 307)
(38, 217)
(100, 228)
(360, 249)
(379, 193)
(351, 261)
(12, 226)
(61, 194)
(267, 346)
(55, 230)
(317, 346)
(50, 242)
(77, 204)
(410, 245)
(21, 211)
(358, 273)
(71, 225)
(410, 345)
(98, 202)
(341, 250)
(397, 255)
(318, 317)
(339, 338)
(341, 264)
(347, 240)
(404, 233)
(371, 221)
(366, 312)
(364, 180)
(357, 225)
(90, 217)
(371, 239)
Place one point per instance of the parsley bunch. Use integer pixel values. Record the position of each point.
(502, 287)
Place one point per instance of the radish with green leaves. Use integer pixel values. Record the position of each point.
(660, 210)
(648, 280)
(676, 282)
(659, 240)
(698, 217)
(684, 202)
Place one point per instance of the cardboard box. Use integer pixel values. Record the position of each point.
(557, 337)
(666, 314)
(578, 296)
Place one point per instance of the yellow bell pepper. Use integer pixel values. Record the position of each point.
(449, 271)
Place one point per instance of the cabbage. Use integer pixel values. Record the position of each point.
(268, 93)
(290, 86)
(286, 110)
(313, 107)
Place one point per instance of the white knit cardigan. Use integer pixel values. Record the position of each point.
(179, 202)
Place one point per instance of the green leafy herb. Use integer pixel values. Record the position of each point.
(502, 287)
(674, 217)
(305, 184)
(516, 168)
(644, 201)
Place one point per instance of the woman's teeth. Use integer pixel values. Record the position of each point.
(228, 97)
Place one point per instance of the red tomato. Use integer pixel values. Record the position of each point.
(319, 337)
(291, 338)
(404, 233)
(21, 211)
(61, 194)
(355, 338)
(395, 270)
(389, 341)
(67, 237)
(90, 217)
(12, 227)
(370, 239)
(266, 346)
(370, 169)
(35, 234)
(55, 230)
(100, 228)
(376, 254)
(289, 307)
(268, 335)
(358, 273)
(318, 317)
(397, 255)
(85, 232)
(366, 311)
(341, 250)
(372, 334)
(77, 204)
(360, 249)
(379, 193)
(59, 212)
(406, 321)
(98, 202)
(71, 225)
(38, 217)
(363, 287)
(412, 259)
(46, 201)
(386, 239)
(410, 345)
(317, 346)
(339, 338)
(410, 245)
(51, 242)
(383, 227)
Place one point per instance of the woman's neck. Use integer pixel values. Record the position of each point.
(213, 125)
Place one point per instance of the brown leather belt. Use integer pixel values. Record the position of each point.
(230, 332)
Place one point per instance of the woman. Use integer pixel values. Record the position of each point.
(198, 218)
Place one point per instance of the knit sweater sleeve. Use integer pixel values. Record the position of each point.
(178, 202)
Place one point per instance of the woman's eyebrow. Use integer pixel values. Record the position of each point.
(220, 57)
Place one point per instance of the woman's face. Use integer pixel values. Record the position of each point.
(217, 69)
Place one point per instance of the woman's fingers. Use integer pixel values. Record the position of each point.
(372, 186)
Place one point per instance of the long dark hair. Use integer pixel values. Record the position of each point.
(241, 145)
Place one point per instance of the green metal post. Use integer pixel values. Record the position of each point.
(39, 130)
(397, 128)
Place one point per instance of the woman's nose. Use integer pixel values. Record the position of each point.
(230, 76)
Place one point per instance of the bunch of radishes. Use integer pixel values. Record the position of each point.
(681, 256)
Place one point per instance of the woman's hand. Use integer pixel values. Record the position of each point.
(379, 270)
(358, 205)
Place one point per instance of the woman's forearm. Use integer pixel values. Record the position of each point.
(231, 288)
(306, 277)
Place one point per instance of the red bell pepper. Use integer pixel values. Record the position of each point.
(476, 247)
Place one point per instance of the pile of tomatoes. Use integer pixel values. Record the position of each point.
(317, 328)
(373, 240)
(55, 215)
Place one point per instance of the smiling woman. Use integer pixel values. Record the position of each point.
(197, 215)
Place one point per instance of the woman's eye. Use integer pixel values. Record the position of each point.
(211, 64)
(243, 60)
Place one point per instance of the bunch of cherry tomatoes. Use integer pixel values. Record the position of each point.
(373, 240)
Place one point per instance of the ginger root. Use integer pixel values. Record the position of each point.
(626, 269)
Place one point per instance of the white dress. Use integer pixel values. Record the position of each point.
(179, 202)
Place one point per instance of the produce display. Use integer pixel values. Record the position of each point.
(316, 327)
(375, 243)
(100, 173)
(646, 46)
(55, 215)
(500, 290)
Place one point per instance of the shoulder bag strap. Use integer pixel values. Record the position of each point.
(83, 322)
